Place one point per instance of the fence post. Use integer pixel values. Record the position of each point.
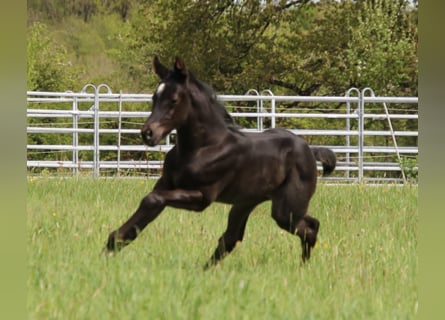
(96, 141)
(119, 134)
(348, 127)
(272, 107)
(96, 152)
(97, 128)
(361, 126)
(93, 108)
(75, 136)
(258, 107)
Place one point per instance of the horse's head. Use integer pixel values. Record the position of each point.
(171, 102)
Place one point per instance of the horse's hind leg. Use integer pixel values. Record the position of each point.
(307, 230)
(289, 210)
(234, 232)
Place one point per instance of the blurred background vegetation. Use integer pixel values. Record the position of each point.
(291, 47)
(299, 47)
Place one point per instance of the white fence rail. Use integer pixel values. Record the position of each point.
(98, 133)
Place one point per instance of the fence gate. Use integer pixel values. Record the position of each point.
(98, 133)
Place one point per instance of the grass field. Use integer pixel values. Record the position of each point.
(364, 265)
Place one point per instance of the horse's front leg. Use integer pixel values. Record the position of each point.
(150, 207)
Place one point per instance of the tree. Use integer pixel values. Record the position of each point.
(383, 49)
(48, 65)
(331, 46)
(216, 38)
(293, 47)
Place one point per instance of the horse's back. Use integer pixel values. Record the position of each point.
(266, 160)
(289, 147)
(300, 156)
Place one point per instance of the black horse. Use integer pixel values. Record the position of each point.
(213, 160)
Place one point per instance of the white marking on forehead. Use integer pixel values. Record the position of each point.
(160, 88)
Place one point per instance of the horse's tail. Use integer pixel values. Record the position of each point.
(326, 157)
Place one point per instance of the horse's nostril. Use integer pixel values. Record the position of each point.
(146, 135)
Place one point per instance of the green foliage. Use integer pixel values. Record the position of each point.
(337, 45)
(382, 53)
(95, 46)
(293, 47)
(410, 167)
(214, 37)
(49, 68)
(364, 265)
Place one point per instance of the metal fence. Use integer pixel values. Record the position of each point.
(96, 132)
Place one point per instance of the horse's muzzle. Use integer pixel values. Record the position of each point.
(147, 137)
(152, 133)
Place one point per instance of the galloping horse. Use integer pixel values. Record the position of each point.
(213, 160)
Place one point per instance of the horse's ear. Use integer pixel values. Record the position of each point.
(179, 67)
(160, 69)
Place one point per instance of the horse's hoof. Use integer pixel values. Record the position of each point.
(212, 264)
(107, 252)
(306, 254)
(115, 243)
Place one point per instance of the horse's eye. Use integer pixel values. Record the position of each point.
(174, 101)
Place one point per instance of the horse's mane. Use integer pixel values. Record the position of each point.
(212, 97)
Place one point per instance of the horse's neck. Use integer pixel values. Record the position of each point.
(201, 130)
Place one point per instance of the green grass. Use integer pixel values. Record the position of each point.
(364, 265)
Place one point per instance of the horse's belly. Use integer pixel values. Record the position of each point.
(252, 184)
